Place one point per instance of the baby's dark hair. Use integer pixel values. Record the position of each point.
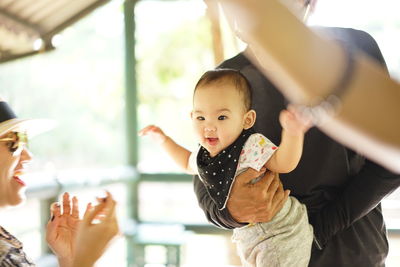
(228, 75)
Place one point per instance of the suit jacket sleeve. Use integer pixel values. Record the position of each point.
(362, 194)
(220, 218)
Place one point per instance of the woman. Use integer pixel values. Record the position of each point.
(75, 242)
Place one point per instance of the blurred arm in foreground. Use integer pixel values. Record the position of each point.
(336, 84)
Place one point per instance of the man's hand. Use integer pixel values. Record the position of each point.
(258, 202)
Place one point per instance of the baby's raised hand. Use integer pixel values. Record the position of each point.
(154, 132)
(293, 122)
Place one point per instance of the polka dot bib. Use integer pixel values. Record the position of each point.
(217, 173)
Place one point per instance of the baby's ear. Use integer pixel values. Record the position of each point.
(191, 114)
(249, 119)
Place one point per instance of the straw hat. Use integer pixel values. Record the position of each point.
(10, 122)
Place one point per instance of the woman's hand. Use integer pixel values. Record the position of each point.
(62, 229)
(98, 227)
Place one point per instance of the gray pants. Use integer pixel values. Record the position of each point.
(283, 242)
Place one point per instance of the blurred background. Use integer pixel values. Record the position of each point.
(111, 70)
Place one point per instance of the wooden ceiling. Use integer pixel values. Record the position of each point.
(28, 26)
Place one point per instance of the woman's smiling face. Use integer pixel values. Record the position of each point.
(12, 166)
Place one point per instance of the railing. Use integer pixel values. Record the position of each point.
(47, 189)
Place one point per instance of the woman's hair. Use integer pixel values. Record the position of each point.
(235, 77)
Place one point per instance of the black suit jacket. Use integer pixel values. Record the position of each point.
(341, 189)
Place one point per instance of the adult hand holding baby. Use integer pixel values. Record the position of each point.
(258, 202)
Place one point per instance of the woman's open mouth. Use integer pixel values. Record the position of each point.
(17, 178)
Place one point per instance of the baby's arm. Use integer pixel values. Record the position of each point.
(286, 158)
(178, 153)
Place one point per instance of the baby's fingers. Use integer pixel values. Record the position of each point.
(145, 130)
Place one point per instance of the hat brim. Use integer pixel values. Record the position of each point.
(32, 127)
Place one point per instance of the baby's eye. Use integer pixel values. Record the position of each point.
(222, 117)
(200, 118)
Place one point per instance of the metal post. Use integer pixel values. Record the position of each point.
(130, 82)
(131, 116)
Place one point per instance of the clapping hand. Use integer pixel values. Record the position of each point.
(76, 242)
(98, 227)
(62, 229)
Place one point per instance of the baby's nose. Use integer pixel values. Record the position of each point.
(210, 129)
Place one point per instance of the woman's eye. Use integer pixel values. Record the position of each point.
(13, 145)
(223, 117)
(200, 118)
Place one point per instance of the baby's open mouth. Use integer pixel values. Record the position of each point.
(212, 141)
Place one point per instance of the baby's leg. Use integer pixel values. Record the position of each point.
(284, 242)
(254, 247)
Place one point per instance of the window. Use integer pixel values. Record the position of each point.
(171, 55)
(80, 85)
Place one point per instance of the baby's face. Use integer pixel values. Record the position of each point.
(218, 116)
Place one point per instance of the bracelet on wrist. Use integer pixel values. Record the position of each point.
(330, 105)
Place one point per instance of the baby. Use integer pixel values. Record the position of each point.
(223, 119)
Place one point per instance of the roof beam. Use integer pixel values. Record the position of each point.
(5, 58)
(75, 18)
(24, 23)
